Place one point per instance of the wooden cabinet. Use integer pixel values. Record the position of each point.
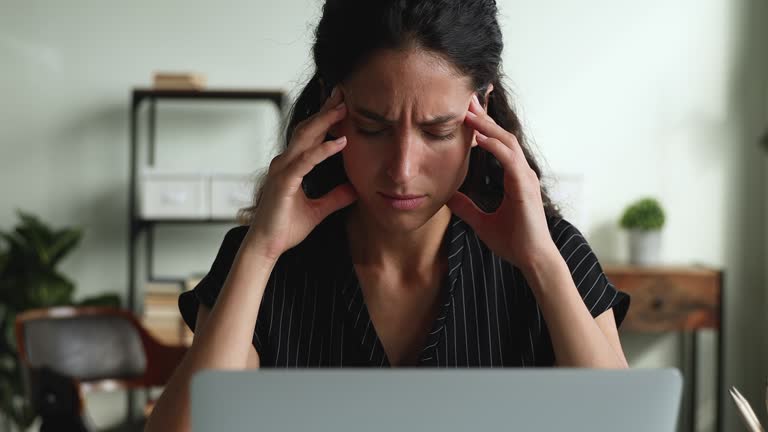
(677, 299)
(669, 298)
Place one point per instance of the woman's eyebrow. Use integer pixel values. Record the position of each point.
(444, 118)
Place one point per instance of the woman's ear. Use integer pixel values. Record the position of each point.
(487, 93)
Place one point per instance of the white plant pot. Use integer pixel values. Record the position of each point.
(644, 247)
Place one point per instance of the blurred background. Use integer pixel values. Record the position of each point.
(622, 100)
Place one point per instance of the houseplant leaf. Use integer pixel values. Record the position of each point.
(63, 242)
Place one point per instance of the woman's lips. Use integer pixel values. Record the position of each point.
(404, 202)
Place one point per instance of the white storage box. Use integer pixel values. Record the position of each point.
(174, 196)
(230, 193)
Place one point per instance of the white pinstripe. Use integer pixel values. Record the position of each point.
(272, 311)
(582, 280)
(566, 243)
(487, 306)
(585, 276)
(474, 295)
(333, 311)
(301, 321)
(312, 328)
(290, 324)
(280, 328)
(533, 350)
(574, 251)
(561, 234)
(605, 288)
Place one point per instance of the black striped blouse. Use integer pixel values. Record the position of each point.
(313, 313)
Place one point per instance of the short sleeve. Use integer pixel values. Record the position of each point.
(207, 290)
(593, 285)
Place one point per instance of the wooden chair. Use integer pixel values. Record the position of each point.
(74, 350)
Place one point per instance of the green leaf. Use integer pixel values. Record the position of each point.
(21, 254)
(35, 242)
(54, 290)
(28, 280)
(4, 258)
(645, 214)
(9, 337)
(108, 300)
(34, 224)
(64, 241)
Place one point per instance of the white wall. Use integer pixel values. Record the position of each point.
(655, 98)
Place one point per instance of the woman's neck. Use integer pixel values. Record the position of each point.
(401, 253)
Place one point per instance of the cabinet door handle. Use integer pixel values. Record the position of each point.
(657, 303)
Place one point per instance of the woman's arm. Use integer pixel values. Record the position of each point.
(283, 217)
(578, 339)
(223, 338)
(518, 232)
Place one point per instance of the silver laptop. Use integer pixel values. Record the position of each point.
(437, 400)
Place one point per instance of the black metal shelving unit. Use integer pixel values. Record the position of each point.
(138, 225)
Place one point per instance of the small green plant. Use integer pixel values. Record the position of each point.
(29, 279)
(645, 214)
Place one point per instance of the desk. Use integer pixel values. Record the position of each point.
(679, 299)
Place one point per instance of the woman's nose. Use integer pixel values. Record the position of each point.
(404, 163)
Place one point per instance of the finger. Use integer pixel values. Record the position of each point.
(477, 119)
(463, 207)
(334, 99)
(331, 101)
(313, 131)
(503, 154)
(304, 162)
(338, 198)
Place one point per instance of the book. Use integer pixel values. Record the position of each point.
(179, 81)
(163, 286)
(192, 281)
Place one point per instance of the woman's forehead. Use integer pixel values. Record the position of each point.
(391, 80)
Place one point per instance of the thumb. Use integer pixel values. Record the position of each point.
(463, 207)
(338, 198)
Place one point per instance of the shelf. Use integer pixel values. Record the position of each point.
(275, 96)
(145, 222)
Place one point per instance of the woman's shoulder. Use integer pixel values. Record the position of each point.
(564, 234)
(317, 245)
(234, 238)
(568, 239)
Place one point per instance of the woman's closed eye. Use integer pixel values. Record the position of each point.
(442, 135)
(437, 135)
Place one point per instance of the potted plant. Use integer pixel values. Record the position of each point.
(29, 279)
(643, 220)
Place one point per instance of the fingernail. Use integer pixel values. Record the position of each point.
(340, 106)
(481, 137)
(471, 114)
(340, 141)
(334, 91)
(474, 97)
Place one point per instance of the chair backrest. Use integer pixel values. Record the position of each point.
(85, 344)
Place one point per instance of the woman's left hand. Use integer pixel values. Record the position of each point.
(517, 231)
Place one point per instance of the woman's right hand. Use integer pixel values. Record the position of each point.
(284, 216)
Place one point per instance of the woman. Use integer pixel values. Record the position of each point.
(404, 224)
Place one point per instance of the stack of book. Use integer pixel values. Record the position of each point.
(161, 311)
(179, 81)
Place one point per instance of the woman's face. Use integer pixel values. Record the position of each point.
(408, 147)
